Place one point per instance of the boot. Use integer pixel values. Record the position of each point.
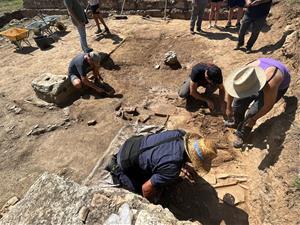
(241, 135)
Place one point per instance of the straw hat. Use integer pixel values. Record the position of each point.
(201, 152)
(245, 81)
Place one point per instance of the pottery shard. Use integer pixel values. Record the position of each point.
(53, 88)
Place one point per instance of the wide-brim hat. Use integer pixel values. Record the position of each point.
(245, 81)
(201, 152)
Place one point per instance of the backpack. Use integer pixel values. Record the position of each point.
(129, 155)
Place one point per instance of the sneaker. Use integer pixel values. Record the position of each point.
(238, 46)
(98, 31)
(230, 123)
(192, 31)
(88, 50)
(238, 25)
(228, 25)
(241, 135)
(248, 50)
(107, 30)
(238, 142)
(199, 30)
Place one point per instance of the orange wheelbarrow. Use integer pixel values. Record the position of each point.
(17, 36)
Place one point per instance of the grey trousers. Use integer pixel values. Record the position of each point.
(257, 25)
(240, 106)
(184, 91)
(198, 9)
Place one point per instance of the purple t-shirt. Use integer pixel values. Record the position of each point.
(265, 63)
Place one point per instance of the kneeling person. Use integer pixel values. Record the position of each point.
(80, 66)
(208, 76)
(262, 83)
(145, 164)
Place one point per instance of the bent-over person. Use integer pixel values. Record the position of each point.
(80, 66)
(147, 164)
(208, 76)
(262, 83)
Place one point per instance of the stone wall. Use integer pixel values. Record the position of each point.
(179, 9)
(111, 4)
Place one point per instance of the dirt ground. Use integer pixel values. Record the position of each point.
(270, 165)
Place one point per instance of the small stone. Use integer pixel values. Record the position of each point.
(12, 201)
(83, 213)
(91, 122)
(171, 58)
(51, 127)
(38, 131)
(157, 67)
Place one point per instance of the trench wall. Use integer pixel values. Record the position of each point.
(179, 9)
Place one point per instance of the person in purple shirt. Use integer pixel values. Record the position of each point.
(262, 82)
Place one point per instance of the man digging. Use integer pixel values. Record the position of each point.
(147, 164)
(80, 66)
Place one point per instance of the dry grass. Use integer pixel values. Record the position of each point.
(10, 5)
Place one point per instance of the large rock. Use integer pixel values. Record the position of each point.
(53, 88)
(53, 200)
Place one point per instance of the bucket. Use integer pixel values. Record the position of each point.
(42, 42)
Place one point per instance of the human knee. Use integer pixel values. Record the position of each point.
(77, 84)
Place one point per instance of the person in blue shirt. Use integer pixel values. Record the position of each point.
(146, 164)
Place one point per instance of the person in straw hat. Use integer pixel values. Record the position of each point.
(262, 83)
(146, 164)
(80, 66)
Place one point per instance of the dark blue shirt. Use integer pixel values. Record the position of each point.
(162, 163)
(259, 11)
(79, 66)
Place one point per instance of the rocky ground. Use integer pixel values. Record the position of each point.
(264, 172)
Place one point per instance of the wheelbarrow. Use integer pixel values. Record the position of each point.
(17, 36)
(39, 27)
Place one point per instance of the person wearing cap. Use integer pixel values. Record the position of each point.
(146, 164)
(208, 76)
(79, 20)
(80, 66)
(262, 83)
(97, 17)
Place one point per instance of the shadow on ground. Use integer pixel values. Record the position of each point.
(199, 202)
(114, 37)
(218, 35)
(273, 132)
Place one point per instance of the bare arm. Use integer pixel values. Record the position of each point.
(148, 190)
(229, 100)
(96, 73)
(222, 97)
(270, 95)
(91, 85)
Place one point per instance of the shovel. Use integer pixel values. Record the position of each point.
(121, 16)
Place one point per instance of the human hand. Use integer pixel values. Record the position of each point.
(229, 112)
